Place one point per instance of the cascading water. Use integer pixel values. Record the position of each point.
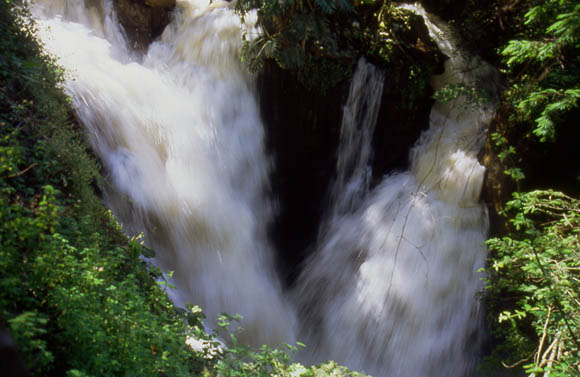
(392, 286)
(181, 137)
(356, 133)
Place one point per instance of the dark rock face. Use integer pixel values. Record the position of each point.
(398, 128)
(446, 9)
(143, 20)
(160, 3)
(546, 165)
(302, 130)
(484, 24)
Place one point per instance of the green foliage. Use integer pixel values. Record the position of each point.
(29, 330)
(239, 360)
(538, 268)
(299, 36)
(545, 65)
(393, 37)
(99, 298)
(321, 40)
(473, 95)
(534, 287)
(541, 64)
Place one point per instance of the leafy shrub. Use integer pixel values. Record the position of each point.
(545, 65)
(321, 40)
(537, 268)
(300, 36)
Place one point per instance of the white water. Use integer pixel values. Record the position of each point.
(392, 286)
(359, 119)
(181, 137)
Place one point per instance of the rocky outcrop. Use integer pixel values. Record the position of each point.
(143, 20)
(484, 25)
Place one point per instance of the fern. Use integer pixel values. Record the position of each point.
(547, 65)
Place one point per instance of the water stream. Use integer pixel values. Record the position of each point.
(359, 119)
(391, 287)
(181, 137)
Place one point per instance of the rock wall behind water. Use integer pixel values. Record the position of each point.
(302, 135)
(302, 131)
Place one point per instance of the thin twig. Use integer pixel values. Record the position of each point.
(517, 363)
(22, 171)
(544, 334)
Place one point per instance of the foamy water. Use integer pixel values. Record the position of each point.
(180, 135)
(392, 286)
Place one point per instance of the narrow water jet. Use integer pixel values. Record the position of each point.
(353, 167)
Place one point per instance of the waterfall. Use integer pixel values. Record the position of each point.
(180, 135)
(356, 133)
(392, 286)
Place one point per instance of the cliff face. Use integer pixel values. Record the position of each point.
(302, 130)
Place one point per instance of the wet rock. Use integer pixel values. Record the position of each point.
(143, 20)
(497, 186)
(446, 9)
(302, 130)
(160, 3)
